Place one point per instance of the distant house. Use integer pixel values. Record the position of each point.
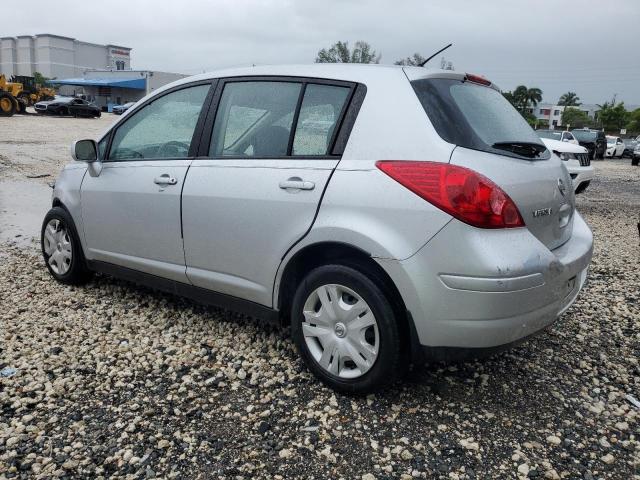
(552, 114)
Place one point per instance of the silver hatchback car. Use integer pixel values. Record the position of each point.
(389, 215)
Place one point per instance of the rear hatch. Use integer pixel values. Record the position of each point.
(492, 138)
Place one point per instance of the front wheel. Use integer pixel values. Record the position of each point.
(61, 248)
(346, 330)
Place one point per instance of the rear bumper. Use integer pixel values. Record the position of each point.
(473, 288)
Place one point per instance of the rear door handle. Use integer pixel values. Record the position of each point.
(296, 183)
(165, 179)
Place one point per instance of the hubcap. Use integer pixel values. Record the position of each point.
(57, 247)
(340, 331)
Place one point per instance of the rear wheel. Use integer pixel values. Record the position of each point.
(7, 105)
(61, 248)
(346, 330)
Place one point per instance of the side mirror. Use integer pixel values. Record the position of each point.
(84, 151)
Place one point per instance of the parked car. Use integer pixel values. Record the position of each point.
(411, 226)
(593, 140)
(629, 146)
(615, 147)
(68, 106)
(576, 160)
(120, 109)
(636, 155)
(559, 135)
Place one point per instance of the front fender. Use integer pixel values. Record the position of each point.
(67, 193)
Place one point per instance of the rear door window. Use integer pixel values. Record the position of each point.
(478, 117)
(318, 118)
(254, 119)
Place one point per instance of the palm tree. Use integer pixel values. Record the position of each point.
(569, 99)
(520, 97)
(534, 95)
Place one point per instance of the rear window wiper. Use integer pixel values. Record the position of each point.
(525, 149)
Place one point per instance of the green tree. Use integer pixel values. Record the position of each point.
(415, 61)
(340, 53)
(633, 126)
(40, 79)
(613, 116)
(576, 118)
(522, 98)
(569, 99)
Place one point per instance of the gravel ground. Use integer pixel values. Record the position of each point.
(115, 380)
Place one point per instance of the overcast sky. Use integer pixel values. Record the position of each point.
(591, 47)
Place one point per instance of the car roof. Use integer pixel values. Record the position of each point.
(349, 72)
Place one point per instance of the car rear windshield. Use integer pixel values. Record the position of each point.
(584, 135)
(553, 135)
(478, 117)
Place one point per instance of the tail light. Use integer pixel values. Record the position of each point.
(466, 195)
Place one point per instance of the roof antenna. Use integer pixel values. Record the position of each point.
(439, 51)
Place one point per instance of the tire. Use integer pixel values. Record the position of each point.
(59, 237)
(7, 105)
(379, 345)
(635, 161)
(22, 106)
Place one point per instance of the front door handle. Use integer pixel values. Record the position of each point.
(296, 183)
(165, 179)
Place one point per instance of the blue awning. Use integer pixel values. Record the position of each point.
(135, 83)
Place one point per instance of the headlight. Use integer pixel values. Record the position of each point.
(565, 155)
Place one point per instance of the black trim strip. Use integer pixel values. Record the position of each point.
(294, 122)
(349, 120)
(198, 294)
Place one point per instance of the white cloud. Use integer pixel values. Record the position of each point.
(555, 45)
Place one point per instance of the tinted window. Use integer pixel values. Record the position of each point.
(318, 118)
(477, 117)
(254, 119)
(585, 135)
(552, 134)
(162, 129)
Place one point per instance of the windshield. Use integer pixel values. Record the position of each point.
(584, 135)
(552, 134)
(610, 140)
(478, 117)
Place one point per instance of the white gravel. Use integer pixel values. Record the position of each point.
(114, 380)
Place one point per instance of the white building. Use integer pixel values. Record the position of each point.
(58, 57)
(553, 113)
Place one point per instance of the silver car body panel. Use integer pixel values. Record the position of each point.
(250, 221)
(506, 284)
(464, 286)
(131, 221)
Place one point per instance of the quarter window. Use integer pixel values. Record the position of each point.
(254, 119)
(319, 114)
(162, 129)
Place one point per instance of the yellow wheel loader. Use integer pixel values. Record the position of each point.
(19, 93)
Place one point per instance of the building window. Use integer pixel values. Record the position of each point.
(545, 111)
(119, 64)
(556, 112)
